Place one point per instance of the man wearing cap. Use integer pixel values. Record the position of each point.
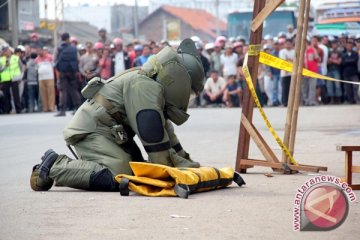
(143, 102)
(290, 34)
(67, 63)
(10, 72)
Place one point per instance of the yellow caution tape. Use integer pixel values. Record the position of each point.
(275, 62)
(254, 50)
(257, 102)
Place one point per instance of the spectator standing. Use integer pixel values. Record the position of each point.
(286, 54)
(31, 77)
(20, 52)
(216, 58)
(209, 49)
(103, 38)
(214, 88)
(138, 49)
(46, 80)
(206, 66)
(333, 67)
(309, 84)
(145, 54)
(349, 61)
(89, 63)
(229, 60)
(275, 76)
(268, 79)
(120, 59)
(320, 84)
(291, 33)
(204, 61)
(239, 50)
(325, 49)
(10, 69)
(67, 60)
(105, 64)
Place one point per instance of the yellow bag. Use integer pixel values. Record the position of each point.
(159, 180)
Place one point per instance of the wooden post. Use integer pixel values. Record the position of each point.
(299, 80)
(348, 167)
(248, 102)
(290, 104)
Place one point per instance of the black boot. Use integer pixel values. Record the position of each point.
(39, 180)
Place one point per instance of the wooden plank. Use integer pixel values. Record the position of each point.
(355, 169)
(267, 147)
(348, 167)
(304, 168)
(248, 102)
(270, 6)
(290, 103)
(347, 148)
(259, 141)
(261, 163)
(321, 168)
(298, 87)
(355, 186)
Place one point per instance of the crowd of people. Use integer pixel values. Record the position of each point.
(34, 80)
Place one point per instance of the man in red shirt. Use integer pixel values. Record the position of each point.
(309, 84)
(320, 84)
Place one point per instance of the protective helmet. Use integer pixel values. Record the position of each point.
(281, 34)
(117, 41)
(73, 40)
(191, 61)
(180, 73)
(195, 39)
(21, 48)
(98, 45)
(138, 47)
(209, 46)
(221, 38)
(268, 37)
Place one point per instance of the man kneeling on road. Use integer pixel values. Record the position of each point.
(140, 101)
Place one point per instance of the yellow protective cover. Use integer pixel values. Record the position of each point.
(159, 180)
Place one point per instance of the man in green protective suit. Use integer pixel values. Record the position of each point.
(141, 101)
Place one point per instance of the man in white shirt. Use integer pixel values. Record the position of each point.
(287, 54)
(228, 61)
(120, 59)
(214, 88)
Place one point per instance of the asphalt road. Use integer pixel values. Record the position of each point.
(261, 210)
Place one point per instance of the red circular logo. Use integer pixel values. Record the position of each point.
(326, 207)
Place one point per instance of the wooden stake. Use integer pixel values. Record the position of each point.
(290, 104)
(248, 102)
(299, 80)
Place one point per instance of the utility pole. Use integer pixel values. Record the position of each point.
(217, 17)
(136, 19)
(59, 20)
(14, 23)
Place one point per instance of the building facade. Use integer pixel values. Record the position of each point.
(224, 6)
(114, 19)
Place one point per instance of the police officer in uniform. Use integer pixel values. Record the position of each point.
(141, 101)
(10, 70)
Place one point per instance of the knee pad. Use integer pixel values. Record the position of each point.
(103, 181)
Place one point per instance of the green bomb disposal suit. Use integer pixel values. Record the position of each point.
(141, 101)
